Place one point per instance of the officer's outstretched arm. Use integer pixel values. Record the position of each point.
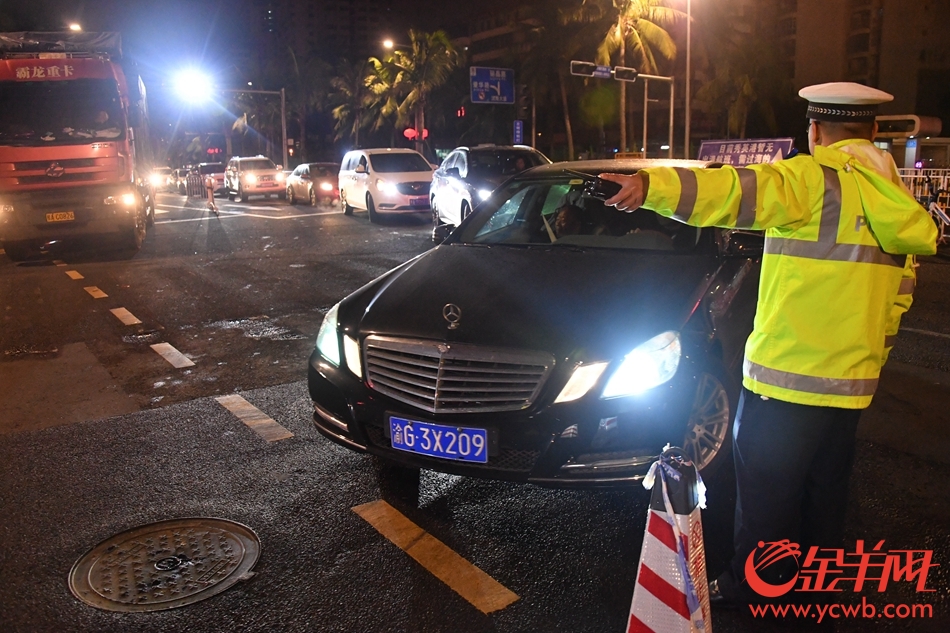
(754, 197)
(902, 303)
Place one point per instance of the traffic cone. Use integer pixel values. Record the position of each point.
(671, 594)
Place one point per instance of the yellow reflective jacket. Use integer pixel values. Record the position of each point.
(837, 233)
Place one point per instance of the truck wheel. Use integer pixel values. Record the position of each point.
(136, 236)
(16, 251)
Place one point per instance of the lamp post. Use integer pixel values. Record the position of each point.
(689, 21)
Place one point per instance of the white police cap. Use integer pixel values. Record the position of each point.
(843, 101)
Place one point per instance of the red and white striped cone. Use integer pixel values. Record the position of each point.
(671, 594)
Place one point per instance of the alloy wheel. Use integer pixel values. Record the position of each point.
(709, 421)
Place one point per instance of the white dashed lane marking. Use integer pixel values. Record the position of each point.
(254, 418)
(95, 292)
(125, 316)
(74, 274)
(925, 332)
(172, 355)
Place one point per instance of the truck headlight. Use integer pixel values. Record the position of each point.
(328, 343)
(156, 180)
(126, 200)
(649, 365)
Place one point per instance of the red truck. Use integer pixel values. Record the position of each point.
(73, 143)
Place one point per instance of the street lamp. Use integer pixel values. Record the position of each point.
(195, 87)
(388, 44)
(75, 27)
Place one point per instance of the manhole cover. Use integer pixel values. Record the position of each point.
(165, 565)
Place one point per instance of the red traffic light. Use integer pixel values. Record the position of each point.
(410, 133)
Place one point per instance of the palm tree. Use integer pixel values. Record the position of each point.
(418, 71)
(638, 28)
(352, 98)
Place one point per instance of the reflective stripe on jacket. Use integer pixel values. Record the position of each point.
(836, 238)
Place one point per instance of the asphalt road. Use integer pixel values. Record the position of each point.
(100, 434)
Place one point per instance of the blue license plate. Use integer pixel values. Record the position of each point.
(418, 202)
(437, 440)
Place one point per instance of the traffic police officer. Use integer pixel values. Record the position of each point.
(835, 279)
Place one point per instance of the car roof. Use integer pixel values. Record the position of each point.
(389, 150)
(623, 165)
(492, 147)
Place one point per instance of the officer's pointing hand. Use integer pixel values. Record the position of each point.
(631, 194)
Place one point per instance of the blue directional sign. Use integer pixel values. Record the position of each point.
(518, 132)
(602, 72)
(748, 151)
(492, 85)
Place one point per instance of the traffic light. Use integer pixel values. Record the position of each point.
(460, 112)
(585, 69)
(523, 102)
(621, 73)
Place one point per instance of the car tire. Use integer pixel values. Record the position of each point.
(371, 209)
(241, 194)
(464, 213)
(313, 197)
(230, 195)
(17, 251)
(708, 436)
(347, 209)
(291, 198)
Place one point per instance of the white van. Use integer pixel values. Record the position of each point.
(385, 181)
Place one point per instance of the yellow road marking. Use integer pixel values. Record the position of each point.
(172, 355)
(125, 316)
(254, 418)
(95, 292)
(59, 262)
(481, 590)
(74, 274)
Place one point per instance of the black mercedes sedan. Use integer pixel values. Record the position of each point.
(549, 339)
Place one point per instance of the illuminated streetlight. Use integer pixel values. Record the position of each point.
(388, 44)
(75, 27)
(194, 86)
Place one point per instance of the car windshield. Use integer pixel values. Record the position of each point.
(323, 171)
(211, 168)
(72, 112)
(259, 164)
(394, 163)
(556, 212)
(485, 164)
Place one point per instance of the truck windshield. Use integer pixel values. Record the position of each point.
(56, 112)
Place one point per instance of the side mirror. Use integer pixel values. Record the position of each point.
(440, 232)
(739, 243)
(360, 169)
(453, 172)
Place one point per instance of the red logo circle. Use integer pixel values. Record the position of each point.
(773, 553)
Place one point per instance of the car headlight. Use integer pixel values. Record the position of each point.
(250, 179)
(156, 180)
(484, 194)
(351, 352)
(328, 343)
(6, 208)
(325, 186)
(649, 365)
(581, 381)
(281, 176)
(386, 187)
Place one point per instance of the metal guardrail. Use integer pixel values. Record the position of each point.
(195, 186)
(923, 182)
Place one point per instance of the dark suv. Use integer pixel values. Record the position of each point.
(468, 175)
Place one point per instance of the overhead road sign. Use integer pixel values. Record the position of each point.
(590, 69)
(492, 85)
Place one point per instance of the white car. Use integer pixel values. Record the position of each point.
(385, 181)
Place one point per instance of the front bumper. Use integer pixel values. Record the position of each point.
(37, 215)
(590, 443)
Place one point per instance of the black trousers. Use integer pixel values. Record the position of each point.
(793, 463)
